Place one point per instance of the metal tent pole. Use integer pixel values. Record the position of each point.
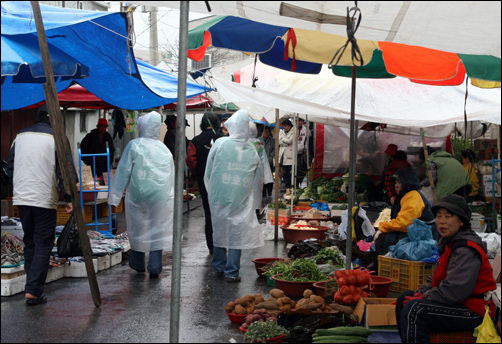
(180, 148)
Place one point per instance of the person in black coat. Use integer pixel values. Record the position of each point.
(95, 143)
(198, 150)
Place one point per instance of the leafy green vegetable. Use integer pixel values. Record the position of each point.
(298, 270)
(261, 331)
(271, 205)
(330, 255)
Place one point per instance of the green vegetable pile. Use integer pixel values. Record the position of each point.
(298, 270)
(271, 205)
(260, 331)
(330, 255)
(341, 335)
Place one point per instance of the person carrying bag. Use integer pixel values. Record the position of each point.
(68, 243)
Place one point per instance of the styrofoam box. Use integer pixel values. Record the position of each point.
(77, 269)
(54, 274)
(487, 179)
(13, 286)
(116, 258)
(127, 247)
(104, 262)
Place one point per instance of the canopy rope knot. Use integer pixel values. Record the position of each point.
(354, 17)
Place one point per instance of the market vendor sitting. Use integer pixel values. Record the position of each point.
(410, 204)
(453, 298)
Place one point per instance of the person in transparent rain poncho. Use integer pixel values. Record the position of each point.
(267, 172)
(233, 168)
(146, 168)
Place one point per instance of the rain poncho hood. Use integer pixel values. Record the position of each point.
(267, 172)
(233, 167)
(146, 168)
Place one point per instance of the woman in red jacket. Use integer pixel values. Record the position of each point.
(452, 300)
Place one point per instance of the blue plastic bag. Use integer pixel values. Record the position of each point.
(320, 206)
(418, 245)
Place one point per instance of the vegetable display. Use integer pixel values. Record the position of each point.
(298, 270)
(261, 331)
(341, 335)
(330, 255)
(271, 205)
(351, 282)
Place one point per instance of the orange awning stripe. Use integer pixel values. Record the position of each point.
(420, 63)
(198, 54)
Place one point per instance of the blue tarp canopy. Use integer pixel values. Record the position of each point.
(97, 40)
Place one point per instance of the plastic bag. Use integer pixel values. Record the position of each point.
(418, 245)
(361, 227)
(486, 332)
(68, 243)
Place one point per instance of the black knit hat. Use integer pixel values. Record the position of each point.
(455, 204)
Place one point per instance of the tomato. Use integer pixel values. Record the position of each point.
(351, 280)
(341, 281)
(272, 221)
(338, 297)
(339, 273)
(347, 299)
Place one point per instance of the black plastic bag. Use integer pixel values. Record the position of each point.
(68, 242)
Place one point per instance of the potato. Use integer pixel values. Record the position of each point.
(249, 310)
(312, 297)
(258, 298)
(230, 307)
(240, 310)
(284, 300)
(292, 303)
(307, 293)
(318, 299)
(312, 306)
(277, 293)
(268, 305)
(302, 302)
(271, 298)
(243, 300)
(313, 223)
(285, 308)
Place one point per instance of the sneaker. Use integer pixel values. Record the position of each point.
(233, 279)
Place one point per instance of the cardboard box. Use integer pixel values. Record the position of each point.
(282, 213)
(376, 313)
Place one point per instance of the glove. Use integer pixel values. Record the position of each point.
(417, 296)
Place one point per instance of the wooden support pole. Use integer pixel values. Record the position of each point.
(63, 151)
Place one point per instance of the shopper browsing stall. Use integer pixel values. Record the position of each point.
(452, 300)
(286, 141)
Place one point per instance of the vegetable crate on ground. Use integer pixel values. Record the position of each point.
(406, 274)
(63, 216)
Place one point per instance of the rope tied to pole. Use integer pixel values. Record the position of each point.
(354, 17)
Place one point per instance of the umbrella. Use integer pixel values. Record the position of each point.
(304, 51)
(21, 61)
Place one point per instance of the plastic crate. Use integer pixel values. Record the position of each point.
(103, 209)
(408, 275)
(452, 337)
(63, 216)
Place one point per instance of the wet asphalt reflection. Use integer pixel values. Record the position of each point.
(136, 308)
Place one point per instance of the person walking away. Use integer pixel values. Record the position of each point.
(198, 150)
(410, 204)
(95, 143)
(33, 167)
(233, 167)
(286, 139)
(146, 169)
(301, 160)
(449, 176)
(453, 299)
(468, 160)
(267, 172)
(268, 143)
(398, 162)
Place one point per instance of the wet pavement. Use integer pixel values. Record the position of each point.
(135, 308)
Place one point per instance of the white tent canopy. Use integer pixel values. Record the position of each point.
(402, 105)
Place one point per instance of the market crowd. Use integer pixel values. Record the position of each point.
(234, 166)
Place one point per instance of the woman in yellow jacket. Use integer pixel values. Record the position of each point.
(468, 158)
(410, 204)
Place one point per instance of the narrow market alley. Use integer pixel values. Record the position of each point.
(135, 308)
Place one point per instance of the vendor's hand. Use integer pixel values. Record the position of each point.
(417, 296)
(392, 200)
(69, 207)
